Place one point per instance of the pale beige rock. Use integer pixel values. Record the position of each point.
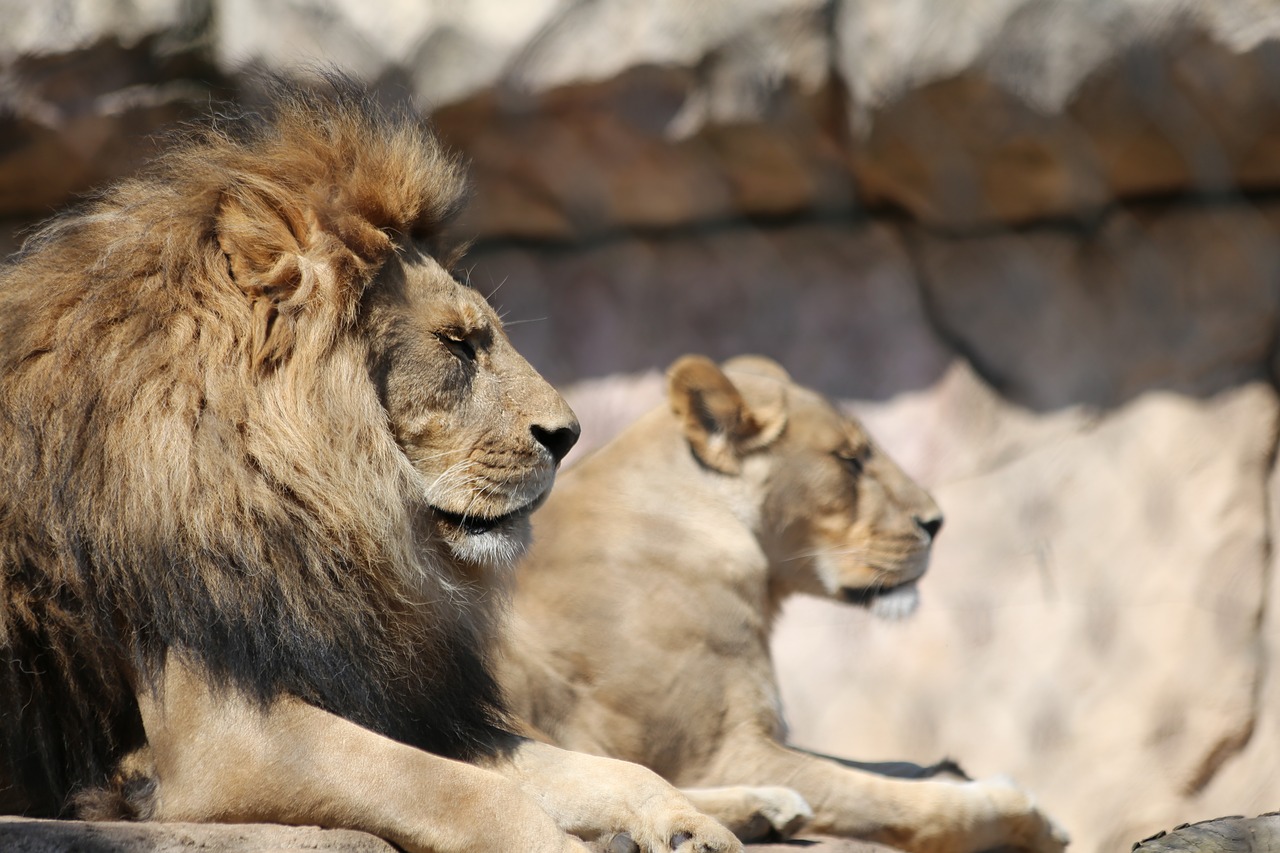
(434, 50)
(1246, 784)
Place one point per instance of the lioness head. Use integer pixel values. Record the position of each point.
(480, 426)
(834, 514)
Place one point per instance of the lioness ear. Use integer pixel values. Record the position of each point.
(717, 421)
(292, 266)
(759, 365)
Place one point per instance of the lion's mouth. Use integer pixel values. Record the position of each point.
(477, 525)
(864, 596)
(887, 601)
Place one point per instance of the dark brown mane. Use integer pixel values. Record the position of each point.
(186, 463)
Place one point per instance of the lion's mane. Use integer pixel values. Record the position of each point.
(193, 458)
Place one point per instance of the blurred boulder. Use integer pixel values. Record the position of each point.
(84, 85)
(1183, 299)
(838, 305)
(1006, 111)
(586, 118)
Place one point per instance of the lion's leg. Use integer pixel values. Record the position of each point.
(754, 813)
(220, 757)
(919, 815)
(597, 798)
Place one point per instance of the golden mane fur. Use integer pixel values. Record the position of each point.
(193, 456)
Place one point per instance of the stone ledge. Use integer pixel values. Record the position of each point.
(26, 835)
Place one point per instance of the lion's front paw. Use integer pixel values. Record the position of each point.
(616, 806)
(709, 837)
(682, 830)
(703, 835)
(1018, 822)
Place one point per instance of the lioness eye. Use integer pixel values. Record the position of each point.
(853, 463)
(460, 347)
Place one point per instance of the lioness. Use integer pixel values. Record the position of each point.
(264, 470)
(643, 611)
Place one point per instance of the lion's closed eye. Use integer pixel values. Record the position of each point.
(458, 344)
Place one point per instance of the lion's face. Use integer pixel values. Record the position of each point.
(836, 516)
(482, 430)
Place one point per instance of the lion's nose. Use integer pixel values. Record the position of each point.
(930, 525)
(559, 440)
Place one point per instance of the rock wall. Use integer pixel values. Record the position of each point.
(1033, 244)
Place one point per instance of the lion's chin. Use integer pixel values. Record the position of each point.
(495, 541)
(497, 546)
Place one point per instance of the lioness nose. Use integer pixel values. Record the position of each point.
(559, 440)
(930, 525)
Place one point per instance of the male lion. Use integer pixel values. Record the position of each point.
(648, 639)
(264, 467)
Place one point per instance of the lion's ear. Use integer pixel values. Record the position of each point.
(719, 424)
(293, 266)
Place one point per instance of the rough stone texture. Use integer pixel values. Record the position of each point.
(1222, 835)
(19, 835)
(1015, 110)
(837, 304)
(1184, 299)
(961, 114)
(83, 85)
(584, 118)
(1032, 243)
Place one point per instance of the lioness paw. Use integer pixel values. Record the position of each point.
(754, 813)
(1021, 824)
(782, 811)
(622, 842)
(682, 841)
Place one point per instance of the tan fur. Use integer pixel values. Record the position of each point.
(264, 469)
(647, 638)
